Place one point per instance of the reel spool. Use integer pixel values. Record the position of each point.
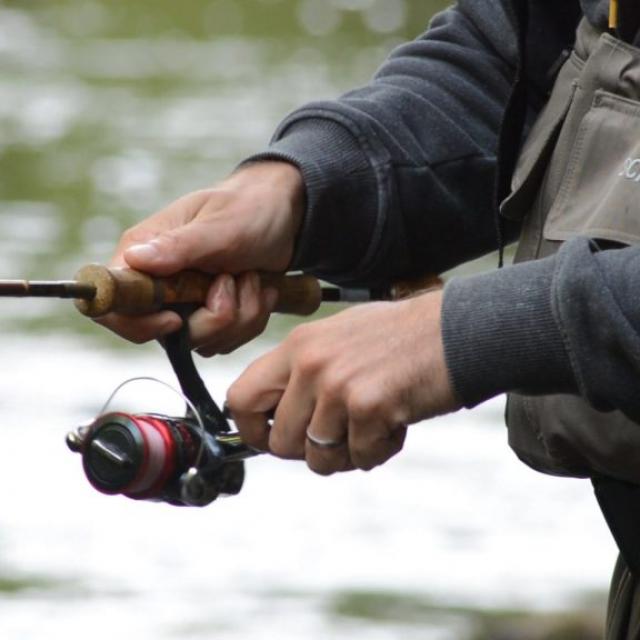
(184, 461)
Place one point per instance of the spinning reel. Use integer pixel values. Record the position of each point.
(184, 461)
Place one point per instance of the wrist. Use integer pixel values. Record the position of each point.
(283, 178)
(274, 192)
(425, 333)
(340, 192)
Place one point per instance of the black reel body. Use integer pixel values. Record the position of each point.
(185, 461)
(160, 458)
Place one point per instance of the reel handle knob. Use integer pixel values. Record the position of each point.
(131, 292)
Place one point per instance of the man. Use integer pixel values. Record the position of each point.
(397, 179)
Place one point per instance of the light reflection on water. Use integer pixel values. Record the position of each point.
(108, 111)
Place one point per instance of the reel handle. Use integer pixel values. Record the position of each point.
(131, 292)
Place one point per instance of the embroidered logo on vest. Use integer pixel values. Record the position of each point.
(631, 170)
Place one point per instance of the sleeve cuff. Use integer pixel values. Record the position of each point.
(500, 334)
(341, 195)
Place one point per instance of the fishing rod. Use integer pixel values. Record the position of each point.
(187, 460)
(98, 290)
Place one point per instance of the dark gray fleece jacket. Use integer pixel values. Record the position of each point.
(400, 176)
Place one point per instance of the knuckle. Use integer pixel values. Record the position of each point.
(211, 197)
(236, 398)
(224, 317)
(299, 336)
(251, 312)
(137, 338)
(327, 463)
(115, 324)
(207, 328)
(362, 459)
(129, 236)
(320, 468)
(136, 335)
(282, 447)
(254, 315)
(335, 383)
(398, 437)
(137, 233)
(245, 335)
(363, 405)
(310, 362)
(230, 346)
(259, 324)
(277, 445)
(206, 352)
(366, 466)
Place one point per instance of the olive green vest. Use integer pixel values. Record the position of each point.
(579, 174)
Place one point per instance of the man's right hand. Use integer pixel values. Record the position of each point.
(246, 224)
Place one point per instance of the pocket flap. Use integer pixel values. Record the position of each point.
(600, 193)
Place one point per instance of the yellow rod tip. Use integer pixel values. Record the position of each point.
(613, 14)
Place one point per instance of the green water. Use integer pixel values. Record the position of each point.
(108, 110)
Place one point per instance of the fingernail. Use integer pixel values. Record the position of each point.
(230, 287)
(148, 251)
(224, 295)
(218, 296)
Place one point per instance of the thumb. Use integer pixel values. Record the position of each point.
(174, 250)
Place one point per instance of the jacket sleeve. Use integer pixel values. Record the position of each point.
(568, 324)
(400, 173)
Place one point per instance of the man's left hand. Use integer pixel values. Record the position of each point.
(346, 387)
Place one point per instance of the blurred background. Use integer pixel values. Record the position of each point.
(108, 110)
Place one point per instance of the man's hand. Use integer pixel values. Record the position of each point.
(346, 387)
(248, 223)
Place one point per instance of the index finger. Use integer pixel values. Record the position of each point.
(257, 391)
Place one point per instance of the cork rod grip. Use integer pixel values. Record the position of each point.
(134, 293)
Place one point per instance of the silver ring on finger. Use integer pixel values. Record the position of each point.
(325, 443)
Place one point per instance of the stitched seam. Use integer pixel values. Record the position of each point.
(570, 173)
(557, 310)
(607, 100)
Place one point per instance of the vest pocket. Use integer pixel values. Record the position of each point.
(599, 194)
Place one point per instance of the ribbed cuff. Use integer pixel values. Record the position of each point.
(500, 334)
(341, 195)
